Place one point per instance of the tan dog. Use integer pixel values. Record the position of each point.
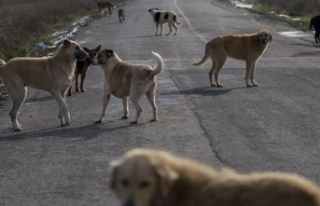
(145, 177)
(123, 79)
(247, 47)
(53, 74)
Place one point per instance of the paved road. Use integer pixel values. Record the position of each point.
(272, 127)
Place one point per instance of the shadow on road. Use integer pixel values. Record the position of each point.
(83, 132)
(138, 37)
(203, 91)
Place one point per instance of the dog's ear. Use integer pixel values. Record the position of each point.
(98, 48)
(109, 53)
(167, 177)
(66, 42)
(114, 167)
(86, 49)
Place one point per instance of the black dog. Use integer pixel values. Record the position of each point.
(315, 23)
(122, 15)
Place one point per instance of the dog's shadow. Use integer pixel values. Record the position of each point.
(138, 37)
(202, 91)
(80, 133)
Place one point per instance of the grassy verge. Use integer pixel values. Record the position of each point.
(26, 22)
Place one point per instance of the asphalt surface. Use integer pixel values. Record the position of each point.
(274, 127)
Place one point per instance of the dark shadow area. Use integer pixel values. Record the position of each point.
(306, 54)
(82, 132)
(202, 91)
(39, 99)
(138, 37)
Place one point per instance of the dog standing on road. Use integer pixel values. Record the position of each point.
(124, 80)
(82, 67)
(143, 177)
(247, 47)
(53, 74)
(161, 17)
(315, 23)
(103, 5)
(122, 15)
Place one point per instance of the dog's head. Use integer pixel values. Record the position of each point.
(73, 50)
(265, 36)
(92, 52)
(103, 57)
(141, 178)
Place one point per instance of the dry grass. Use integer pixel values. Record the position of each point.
(24, 22)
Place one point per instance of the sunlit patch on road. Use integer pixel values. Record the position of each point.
(294, 34)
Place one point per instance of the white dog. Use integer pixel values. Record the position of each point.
(161, 17)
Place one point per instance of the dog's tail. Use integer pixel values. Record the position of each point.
(310, 24)
(205, 57)
(2, 62)
(160, 64)
(176, 20)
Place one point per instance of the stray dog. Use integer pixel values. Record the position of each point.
(82, 68)
(161, 17)
(315, 23)
(145, 177)
(123, 79)
(103, 5)
(53, 74)
(122, 15)
(247, 47)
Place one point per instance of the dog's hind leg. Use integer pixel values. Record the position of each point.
(218, 63)
(176, 28)
(125, 108)
(161, 29)
(64, 114)
(135, 95)
(157, 29)
(18, 95)
(170, 28)
(151, 98)
(83, 76)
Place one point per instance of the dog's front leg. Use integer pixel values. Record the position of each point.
(161, 28)
(252, 75)
(157, 28)
(106, 98)
(125, 108)
(249, 66)
(64, 114)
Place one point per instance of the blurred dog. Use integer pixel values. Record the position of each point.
(53, 74)
(315, 23)
(247, 47)
(122, 15)
(103, 5)
(161, 17)
(123, 79)
(145, 177)
(82, 68)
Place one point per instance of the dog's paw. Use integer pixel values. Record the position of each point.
(220, 85)
(125, 117)
(83, 90)
(249, 85)
(18, 128)
(255, 84)
(154, 120)
(64, 124)
(98, 121)
(134, 122)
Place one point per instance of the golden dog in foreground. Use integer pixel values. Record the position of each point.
(53, 74)
(145, 177)
(247, 47)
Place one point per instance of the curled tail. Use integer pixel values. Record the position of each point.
(205, 57)
(2, 62)
(176, 21)
(160, 64)
(311, 24)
